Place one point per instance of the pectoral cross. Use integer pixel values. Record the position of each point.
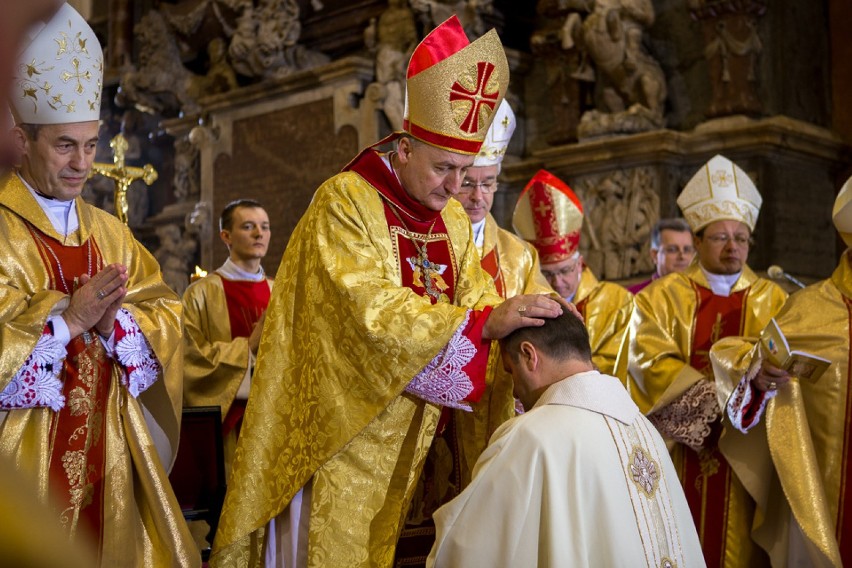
(123, 175)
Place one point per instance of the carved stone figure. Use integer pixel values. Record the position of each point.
(470, 12)
(175, 256)
(159, 83)
(186, 178)
(392, 38)
(621, 209)
(265, 45)
(631, 84)
(566, 94)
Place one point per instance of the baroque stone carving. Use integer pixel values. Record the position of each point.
(187, 174)
(621, 208)
(631, 85)
(470, 12)
(175, 255)
(391, 38)
(732, 48)
(264, 44)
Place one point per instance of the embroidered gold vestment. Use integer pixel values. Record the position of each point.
(797, 458)
(343, 337)
(142, 522)
(606, 309)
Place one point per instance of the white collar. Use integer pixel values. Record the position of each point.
(592, 391)
(62, 214)
(231, 271)
(721, 284)
(479, 233)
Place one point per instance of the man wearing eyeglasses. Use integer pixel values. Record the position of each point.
(676, 321)
(672, 249)
(549, 215)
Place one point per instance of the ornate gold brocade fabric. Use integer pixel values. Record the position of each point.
(342, 340)
(663, 327)
(796, 459)
(606, 309)
(142, 520)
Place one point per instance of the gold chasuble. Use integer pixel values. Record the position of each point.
(371, 289)
(795, 461)
(676, 320)
(606, 309)
(90, 449)
(217, 359)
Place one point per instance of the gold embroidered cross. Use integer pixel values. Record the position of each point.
(122, 174)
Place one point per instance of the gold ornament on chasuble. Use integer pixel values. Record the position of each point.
(342, 327)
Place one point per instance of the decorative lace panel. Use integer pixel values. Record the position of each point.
(688, 418)
(443, 381)
(37, 383)
(746, 404)
(135, 354)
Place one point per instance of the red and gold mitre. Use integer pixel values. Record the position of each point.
(549, 215)
(454, 88)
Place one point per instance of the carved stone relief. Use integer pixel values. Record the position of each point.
(620, 210)
(175, 255)
(469, 12)
(391, 39)
(732, 48)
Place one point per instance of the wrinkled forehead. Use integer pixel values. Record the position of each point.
(727, 226)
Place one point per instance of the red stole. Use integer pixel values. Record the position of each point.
(491, 264)
(77, 451)
(706, 475)
(246, 302)
(426, 259)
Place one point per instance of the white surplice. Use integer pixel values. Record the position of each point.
(582, 479)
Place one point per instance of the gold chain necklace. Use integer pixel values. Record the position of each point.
(59, 264)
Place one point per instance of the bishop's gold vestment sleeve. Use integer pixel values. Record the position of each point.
(342, 339)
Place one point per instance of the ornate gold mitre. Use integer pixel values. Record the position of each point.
(497, 139)
(719, 191)
(454, 87)
(59, 75)
(549, 215)
(842, 213)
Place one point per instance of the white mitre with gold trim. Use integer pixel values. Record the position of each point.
(842, 213)
(59, 74)
(719, 191)
(497, 139)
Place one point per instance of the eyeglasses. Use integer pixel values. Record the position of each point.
(469, 186)
(674, 249)
(567, 271)
(722, 239)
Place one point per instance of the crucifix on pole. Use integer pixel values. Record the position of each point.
(122, 174)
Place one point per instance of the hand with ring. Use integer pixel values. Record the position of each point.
(770, 378)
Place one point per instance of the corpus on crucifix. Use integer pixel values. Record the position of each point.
(122, 174)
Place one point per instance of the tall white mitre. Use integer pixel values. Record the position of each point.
(59, 74)
(497, 139)
(842, 213)
(719, 191)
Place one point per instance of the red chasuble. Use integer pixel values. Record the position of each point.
(706, 475)
(77, 452)
(246, 303)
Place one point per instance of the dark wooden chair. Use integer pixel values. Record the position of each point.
(198, 475)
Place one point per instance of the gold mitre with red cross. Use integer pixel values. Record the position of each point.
(719, 191)
(454, 87)
(58, 76)
(549, 215)
(842, 213)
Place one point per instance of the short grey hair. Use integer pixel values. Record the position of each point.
(673, 224)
